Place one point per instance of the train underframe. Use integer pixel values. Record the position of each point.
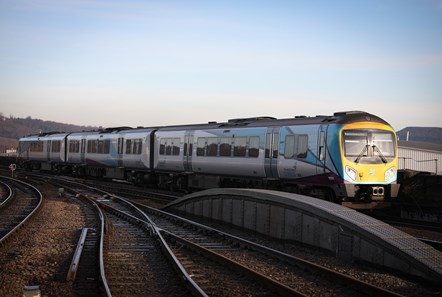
(350, 195)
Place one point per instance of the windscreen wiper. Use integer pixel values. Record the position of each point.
(375, 148)
(361, 153)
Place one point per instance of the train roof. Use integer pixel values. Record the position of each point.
(261, 121)
(336, 118)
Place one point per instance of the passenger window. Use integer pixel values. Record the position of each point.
(56, 146)
(128, 146)
(302, 146)
(175, 146)
(239, 148)
(201, 142)
(225, 147)
(74, 146)
(36, 146)
(137, 146)
(168, 147)
(296, 146)
(289, 149)
(162, 146)
(254, 147)
(212, 146)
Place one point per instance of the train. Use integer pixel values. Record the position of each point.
(349, 157)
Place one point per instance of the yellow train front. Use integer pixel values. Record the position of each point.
(369, 155)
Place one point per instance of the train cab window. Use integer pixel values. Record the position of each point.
(56, 146)
(254, 146)
(239, 147)
(225, 147)
(200, 146)
(369, 146)
(212, 146)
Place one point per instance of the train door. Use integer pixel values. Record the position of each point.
(120, 149)
(48, 149)
(272, 153)
(188, 148)
(322, 141)
(82, 150)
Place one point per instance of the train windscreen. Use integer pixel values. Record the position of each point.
(369, 146)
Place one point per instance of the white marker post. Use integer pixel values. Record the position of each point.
(13, 166)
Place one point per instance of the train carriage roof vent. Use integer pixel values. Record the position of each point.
(344, 113)
(115, 129)
(253, 119)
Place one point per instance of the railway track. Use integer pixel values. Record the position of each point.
(86, 274)
(133, 263)
(234, 250)
(189, 241)
(21, 203)
(266, 261)
(287, 275)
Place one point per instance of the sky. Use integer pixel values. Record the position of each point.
(146, 63)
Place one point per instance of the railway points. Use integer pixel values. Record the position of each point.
(254, 209)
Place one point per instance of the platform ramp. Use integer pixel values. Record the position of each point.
(342, 231)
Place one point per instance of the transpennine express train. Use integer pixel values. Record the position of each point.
(349, 157)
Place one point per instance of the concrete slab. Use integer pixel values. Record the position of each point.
(342, 231)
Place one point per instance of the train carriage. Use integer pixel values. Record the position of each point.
(349, 157)
(46, 151)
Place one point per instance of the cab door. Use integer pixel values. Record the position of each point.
(272, 153)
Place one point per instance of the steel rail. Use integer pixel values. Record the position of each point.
(28, 216)
(103, 278)
(10, 195)
(355, 283)
(148, 224)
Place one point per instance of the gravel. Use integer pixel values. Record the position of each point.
(41, 252)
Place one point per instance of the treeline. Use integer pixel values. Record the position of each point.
(11, 129)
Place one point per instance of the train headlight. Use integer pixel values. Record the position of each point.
(389, 173)
(351, 172)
